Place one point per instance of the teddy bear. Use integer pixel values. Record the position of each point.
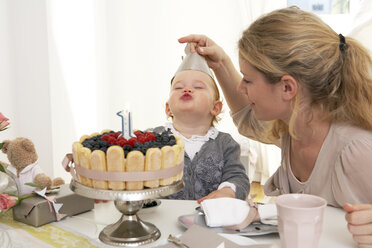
(24, 166)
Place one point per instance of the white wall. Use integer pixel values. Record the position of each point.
(25, 75)
(7, 83)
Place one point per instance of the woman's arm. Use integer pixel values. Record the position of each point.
(227, 76)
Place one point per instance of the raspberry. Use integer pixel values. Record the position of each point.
(111, 140)
(105, 137)
(141, 139)
(132, 141)
(116, 135)
(138, 133)
(112, 135)
(122, 142)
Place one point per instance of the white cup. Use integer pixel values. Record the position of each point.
(300, 219)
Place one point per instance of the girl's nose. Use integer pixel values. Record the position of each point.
(187, 90)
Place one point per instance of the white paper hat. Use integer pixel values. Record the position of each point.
(194, 61)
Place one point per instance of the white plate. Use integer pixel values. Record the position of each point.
(254, 229)
(237, 239)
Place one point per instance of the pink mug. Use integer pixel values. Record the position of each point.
(300, 219)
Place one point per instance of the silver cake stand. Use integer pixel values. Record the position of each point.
(129, 230)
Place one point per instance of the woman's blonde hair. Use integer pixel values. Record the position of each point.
(336, 71)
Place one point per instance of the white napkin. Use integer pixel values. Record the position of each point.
(268, 214)
(230, 211)
(224, 211)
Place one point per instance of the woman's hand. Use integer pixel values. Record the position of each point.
(224, 192)
(359, 218)
(213, 53)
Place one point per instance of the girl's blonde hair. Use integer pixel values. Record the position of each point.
(335, 72)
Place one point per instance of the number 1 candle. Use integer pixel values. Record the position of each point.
(126, 124)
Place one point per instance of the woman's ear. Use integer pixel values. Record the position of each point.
(217, 108)
(168, 111)
(289, 87)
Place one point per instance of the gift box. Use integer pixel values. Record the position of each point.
(37, 211)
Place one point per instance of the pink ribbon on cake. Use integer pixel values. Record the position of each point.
(67, 165)
(119, 176)
(133, 176)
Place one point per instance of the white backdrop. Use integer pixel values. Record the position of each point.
(66, 67)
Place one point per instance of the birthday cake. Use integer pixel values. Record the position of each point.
(109, 161)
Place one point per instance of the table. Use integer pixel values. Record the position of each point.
(90, 224)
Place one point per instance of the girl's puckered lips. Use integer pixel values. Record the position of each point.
(186, 96)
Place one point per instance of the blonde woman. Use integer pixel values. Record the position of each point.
(308, 90)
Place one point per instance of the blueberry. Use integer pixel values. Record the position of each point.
(127, 148)
(138, 145)
(89, 146)
(172, 142)
(103, 143)
(164, 139)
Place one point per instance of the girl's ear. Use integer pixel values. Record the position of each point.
(217, 108)
(168, 111)
(289, 87)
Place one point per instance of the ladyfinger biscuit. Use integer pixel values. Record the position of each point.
(76, 146)
(84, 137)
(152, 163)
(93, 134)
(167, 161)
(135, 162)
(115, 162)
(105, 131)
(180, 156)
(98, 163)
(84, 156)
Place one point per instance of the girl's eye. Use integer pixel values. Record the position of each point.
(178, 86)
(198, 86)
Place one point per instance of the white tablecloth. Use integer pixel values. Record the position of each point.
(165, 217)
